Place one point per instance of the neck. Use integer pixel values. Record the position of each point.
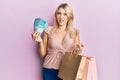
(62, 28)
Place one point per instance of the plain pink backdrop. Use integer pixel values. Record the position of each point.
(99, 23)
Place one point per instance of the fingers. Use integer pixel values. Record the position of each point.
(33, 35)
(78, 49)
(36, 36)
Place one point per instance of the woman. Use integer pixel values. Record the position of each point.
(56, 40)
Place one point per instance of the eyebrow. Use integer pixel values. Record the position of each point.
(60, 12)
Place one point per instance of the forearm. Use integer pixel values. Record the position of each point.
(41, 49)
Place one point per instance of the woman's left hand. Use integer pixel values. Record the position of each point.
(78, 49)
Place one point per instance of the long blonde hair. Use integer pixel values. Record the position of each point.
(70, 16)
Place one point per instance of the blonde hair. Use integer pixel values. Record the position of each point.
(70, 16)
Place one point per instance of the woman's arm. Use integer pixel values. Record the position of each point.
(42, 46)
(78, 46)
(77, 37)
(42, 43)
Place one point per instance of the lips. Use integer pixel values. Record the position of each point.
(61, 21)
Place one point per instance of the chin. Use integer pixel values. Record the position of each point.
(61, 24)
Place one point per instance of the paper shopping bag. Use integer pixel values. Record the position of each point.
(92, 70)
(72, 67)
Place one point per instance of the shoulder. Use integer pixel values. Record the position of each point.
(48, 29)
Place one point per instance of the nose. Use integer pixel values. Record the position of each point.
(61, 16)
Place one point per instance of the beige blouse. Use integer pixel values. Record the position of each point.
(55, 50)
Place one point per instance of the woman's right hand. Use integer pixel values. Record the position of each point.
(36, 36)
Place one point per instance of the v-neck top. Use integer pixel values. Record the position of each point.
(56, 49)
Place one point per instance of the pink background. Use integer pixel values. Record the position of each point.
(99, 23)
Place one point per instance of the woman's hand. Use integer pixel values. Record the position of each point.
(36, 36)
(78, 49)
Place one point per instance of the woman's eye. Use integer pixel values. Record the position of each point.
(58, 13)
(65, 14)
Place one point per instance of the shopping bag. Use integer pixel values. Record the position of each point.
(92, 69)
(72, 67)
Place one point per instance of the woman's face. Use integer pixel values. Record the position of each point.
(61, 16)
